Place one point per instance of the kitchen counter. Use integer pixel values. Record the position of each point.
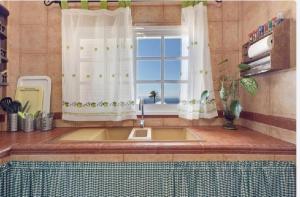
(216, 140)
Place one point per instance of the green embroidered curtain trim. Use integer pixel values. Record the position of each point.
(239, 178)
(124, 3)
(185, 4)
(64, 4)
(84, 4)
(103, 4)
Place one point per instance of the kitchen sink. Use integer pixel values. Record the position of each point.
(129, 135)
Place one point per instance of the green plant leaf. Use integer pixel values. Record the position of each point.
(244, 67)
(249, 84)
(204, 96)
(235, 108)
(223, 92)
(223, 61)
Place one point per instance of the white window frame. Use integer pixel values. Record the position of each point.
(157, 31)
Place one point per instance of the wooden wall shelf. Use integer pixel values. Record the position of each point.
(3, 45)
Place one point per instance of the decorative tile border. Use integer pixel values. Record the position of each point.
(277, 121)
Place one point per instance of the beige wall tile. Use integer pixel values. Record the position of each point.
(198, 157)
(63, 123)
(55, 68)
(256, 126)
(283, 93)
(285, 157)
(147, 157)
(216, 57)
(124, 123)
(208, 122)
(56, 95)
(255, 13)
(172, 14)
(150, 122)
(99, 157)
(13, 66)
(33, 13)
(230, 10)
(230, 68)
(283, 134)
(48, 157)
(176, 122)
(247, 157)
(230, 35)
(260, 103)
(34, 38)
(288, 8)
(215, 35)
(13, 31)
(54, 15)
(214, 12)
(33, 64)
(148, 14)
(54, 39)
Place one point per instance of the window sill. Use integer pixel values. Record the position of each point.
(159, 109)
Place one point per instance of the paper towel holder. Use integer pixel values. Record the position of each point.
(279, 55)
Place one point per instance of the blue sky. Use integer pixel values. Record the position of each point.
(150, 69)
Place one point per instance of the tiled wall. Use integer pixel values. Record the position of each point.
(277, 91)
(35, 48)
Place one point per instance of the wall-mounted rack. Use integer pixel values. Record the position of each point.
(277, 58)
(3, 45)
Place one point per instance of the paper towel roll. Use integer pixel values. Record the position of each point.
(260, 47)
(260, 61)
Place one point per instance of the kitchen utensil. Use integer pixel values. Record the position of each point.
(15, 106)
(5, 104)
(38, 81)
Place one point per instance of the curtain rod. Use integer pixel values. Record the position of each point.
(50, 2)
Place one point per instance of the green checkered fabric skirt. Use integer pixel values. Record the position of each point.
(244, 178)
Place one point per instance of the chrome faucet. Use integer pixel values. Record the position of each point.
(141, 108)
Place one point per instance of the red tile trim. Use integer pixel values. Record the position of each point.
(277, 121)
(57, 115)
(2, 117)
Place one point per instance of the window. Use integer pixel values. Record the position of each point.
(161, 67)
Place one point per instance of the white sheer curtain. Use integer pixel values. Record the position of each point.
(195, 33)
(97, 49)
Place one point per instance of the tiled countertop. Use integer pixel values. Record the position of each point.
(215, 141)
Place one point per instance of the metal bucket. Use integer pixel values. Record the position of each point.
(12, 122)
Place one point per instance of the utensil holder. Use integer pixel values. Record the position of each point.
(12, 122)
(47, 123)
(38, 123)
(27, 124)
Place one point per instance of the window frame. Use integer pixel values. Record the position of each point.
(161, 32)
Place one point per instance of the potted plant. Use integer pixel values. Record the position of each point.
(229, 93)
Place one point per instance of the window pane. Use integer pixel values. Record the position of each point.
(172, 47)
(172, 93)
(145, 91)
(172, 70)
(148, 70)
(176, 69)
(148, 47)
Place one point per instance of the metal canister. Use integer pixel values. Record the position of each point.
(12, 122)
